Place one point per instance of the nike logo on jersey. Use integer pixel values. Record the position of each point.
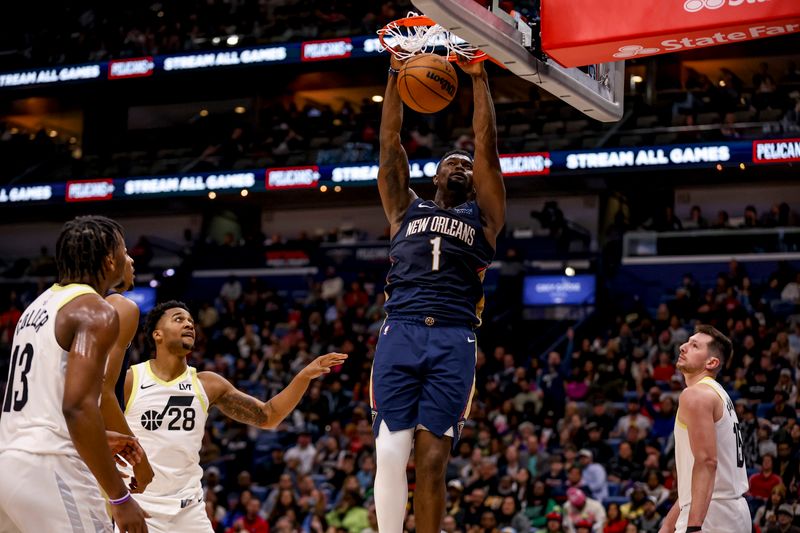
(470, 340)
(147, 387)
(427, 206)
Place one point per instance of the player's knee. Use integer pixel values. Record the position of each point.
(432, 463)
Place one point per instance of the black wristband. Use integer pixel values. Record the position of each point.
(393, 71)
(693, 529)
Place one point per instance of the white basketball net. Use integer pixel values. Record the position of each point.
(410, 40)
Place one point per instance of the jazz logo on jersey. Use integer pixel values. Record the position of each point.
(178, 408)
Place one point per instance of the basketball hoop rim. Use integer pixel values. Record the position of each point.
(422, 20)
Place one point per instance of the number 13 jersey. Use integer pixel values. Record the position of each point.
(32, 419)
(731, 480)
(439, 257)
(169, 420)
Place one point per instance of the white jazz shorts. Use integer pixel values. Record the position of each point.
(52, 493)
(169, 515)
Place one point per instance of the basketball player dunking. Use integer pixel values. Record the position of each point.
(110, 404)
(167, 403)
(423, 373)
(709, 451)
(53, 444)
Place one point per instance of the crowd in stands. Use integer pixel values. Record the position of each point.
(285, 134)
(575, 440)
(778, 215)
(88, 31)
(728, 106)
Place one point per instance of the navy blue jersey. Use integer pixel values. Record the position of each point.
(439, 257)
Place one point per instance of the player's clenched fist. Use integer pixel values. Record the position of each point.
(323, 364)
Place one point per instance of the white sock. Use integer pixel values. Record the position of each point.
(393, 449)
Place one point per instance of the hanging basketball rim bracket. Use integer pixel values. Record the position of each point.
(600, 97)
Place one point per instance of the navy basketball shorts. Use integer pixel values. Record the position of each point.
(423, 374)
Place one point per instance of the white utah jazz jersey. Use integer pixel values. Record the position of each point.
(169, 420)
(731, 479)
(31, 418)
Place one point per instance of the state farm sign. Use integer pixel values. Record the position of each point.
(572, 36)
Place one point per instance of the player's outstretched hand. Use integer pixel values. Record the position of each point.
(394, 62)
(473, 69)
(124, 446)
(323, 364)
(129, 517)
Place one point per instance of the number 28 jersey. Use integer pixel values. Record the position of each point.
(439, 258)
(32, 419)
(169, 419)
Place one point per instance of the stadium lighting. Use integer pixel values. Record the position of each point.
(722, 83)
(719, 167)
(323, 188)
(204, 112)
(741, 166)
(153, 283)
(377, 98)
(168, 273)
(53, 133)
(569, 271)
(338, 188)
(244, 192)
(212, 195)
(216, 40)
(232, 40)
(636, 79)
(239, 110)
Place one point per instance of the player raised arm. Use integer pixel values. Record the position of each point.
(697, 407)
(266, 415)
(114, 419)
(393, 172)
(90, 326)
(490, 191)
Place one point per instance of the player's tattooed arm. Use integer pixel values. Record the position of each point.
(245, 409)
(236, 404)
(266, 415)
(393, 171)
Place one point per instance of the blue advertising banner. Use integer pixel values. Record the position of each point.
(336, 177)
(138, 67)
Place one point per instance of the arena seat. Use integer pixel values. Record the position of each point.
(763, 409)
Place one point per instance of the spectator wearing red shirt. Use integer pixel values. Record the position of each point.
(251, 521)
(762, 482)
(356, 296)
(615, 523)
(664, 370)
(8, 321)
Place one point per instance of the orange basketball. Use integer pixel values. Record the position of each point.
(427, 83)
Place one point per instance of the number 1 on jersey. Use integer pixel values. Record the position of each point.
(436, 252)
